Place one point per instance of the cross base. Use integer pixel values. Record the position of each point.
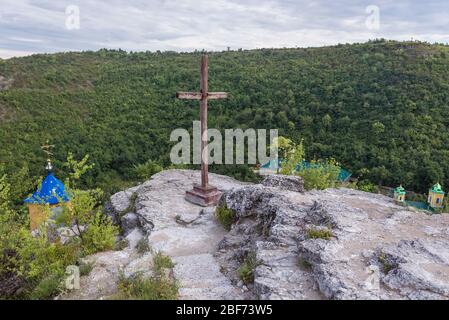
(203, 196)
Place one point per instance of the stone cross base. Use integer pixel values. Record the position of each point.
(203, 196)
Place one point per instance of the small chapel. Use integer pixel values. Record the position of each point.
(51, 194)
(436, 197)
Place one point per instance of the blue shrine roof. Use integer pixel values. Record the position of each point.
(51, 192)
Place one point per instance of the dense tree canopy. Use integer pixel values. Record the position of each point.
(380, 108)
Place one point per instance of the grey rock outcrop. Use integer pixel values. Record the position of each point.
(335, 244)
(290, 183)
(331, 244)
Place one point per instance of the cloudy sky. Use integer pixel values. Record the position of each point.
(38, 26)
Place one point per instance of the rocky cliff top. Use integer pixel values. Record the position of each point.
(332, 244)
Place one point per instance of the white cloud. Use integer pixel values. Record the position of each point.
(183, 25)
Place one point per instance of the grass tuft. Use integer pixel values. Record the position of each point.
(225, 216)
(325, 234)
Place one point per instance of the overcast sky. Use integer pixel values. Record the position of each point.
(38, 26)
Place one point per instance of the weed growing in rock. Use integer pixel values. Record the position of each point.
(225, 216)
(325, 234)
(386, 266)
(143, 246)
(305, 264)
(246, 269)
(47, 288)
(86, 268)
(161, 262)
(157, 287)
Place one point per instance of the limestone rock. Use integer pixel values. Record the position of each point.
(129, 222)
(331, 244)
(134, 237)
(101, 282)
(290, 183)
(274, 224)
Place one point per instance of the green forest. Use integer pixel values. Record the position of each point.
(380, 108)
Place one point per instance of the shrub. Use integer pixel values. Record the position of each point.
(225, 216)
(325, 234)
(93, 229)
(246, 269)
(86, 268)
(161, 262)
(386, 266)
(320, 175)
(47, 287)
(147, 169)
(153, 288)
(143, 246)
(99, 235)
(367, 186)
(37, 258)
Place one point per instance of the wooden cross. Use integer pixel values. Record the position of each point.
(203, 194)
(46, 148)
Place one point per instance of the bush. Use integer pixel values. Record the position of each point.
(143, 246)
(47, 287)
(246, 269)
(84, 216)
(320, 175)
(367, 186)
(147, 169)
(99, 236)
(325, 234)
(153, 288)
(161, 262)
(86, 268)
(225, 216)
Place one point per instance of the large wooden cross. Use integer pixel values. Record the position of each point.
(204, 194)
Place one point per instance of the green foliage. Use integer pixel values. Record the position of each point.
(39, 261)
(320, 175)
(160, 286)
(76, 169)
(85, 268)
(94, 229)
(380, 105)
(161, 262)
(367, 186)
(314, 233)
(48, 287)
(146, 170)
(153, 288)
(225, 216)
(386, 266)
(143, 246)
(246, 269)
(293, 155)
(99, 235)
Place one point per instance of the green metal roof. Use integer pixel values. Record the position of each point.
(437, 189)
(399, 190)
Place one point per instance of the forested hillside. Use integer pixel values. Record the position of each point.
(380, 108)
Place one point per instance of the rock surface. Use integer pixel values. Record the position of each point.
(332, 244)
(157, 212)
(375, 250)
(290, 183)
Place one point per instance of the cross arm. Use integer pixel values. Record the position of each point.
(217, 95)
(189, 95)
(198, 95)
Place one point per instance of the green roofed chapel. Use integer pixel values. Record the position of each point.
(399, 194)
(436, 196)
